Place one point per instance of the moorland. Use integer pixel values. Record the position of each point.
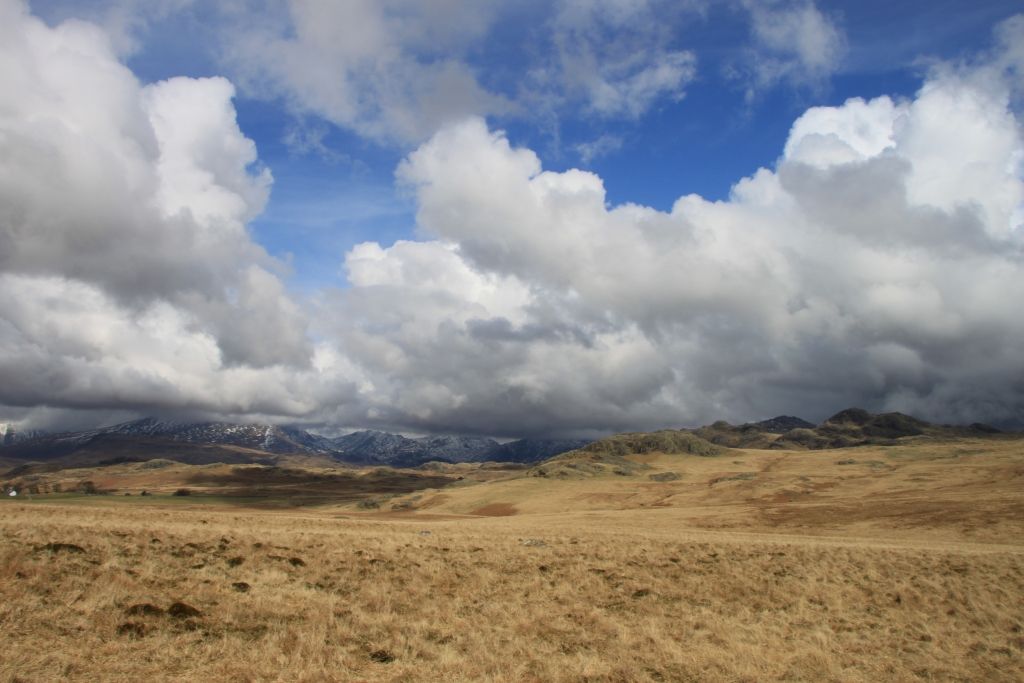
(859, 550)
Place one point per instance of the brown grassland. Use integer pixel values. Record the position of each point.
(871, 564)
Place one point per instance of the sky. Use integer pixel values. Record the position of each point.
(557, 218)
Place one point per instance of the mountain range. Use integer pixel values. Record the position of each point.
(208, 442)
(229, 442)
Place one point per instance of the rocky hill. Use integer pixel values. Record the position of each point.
(780, 424)
(847, 428)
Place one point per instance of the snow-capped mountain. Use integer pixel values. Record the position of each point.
(400, 451)
(372, 446)
(459, 448)
(152, 437)
(264, 437)
(10, 435)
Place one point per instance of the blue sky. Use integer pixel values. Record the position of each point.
(508, 218)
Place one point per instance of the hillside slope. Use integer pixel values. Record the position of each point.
(967, 488)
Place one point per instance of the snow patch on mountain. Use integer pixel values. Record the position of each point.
(366, 447)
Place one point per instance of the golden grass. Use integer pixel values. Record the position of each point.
(708, 578)
(965, 490)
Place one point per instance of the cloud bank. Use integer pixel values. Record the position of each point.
(880, 263)
(127, 276)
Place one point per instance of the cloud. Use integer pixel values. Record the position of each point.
(68, 344)
(615, 58)
(127, 276)
(791, 42)
(879, 263)
(601, 146)
(122, 21)
(397, 71)
(391, 70)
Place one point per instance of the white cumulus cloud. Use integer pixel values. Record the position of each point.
(127, 274)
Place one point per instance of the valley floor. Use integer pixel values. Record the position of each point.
(606, 579)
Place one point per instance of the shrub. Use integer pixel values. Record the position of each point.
(182, 492)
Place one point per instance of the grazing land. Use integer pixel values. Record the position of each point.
(894, 563)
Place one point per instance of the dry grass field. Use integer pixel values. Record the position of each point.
(905, 564)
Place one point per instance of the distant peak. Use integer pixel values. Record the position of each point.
(782, 424)
(857, 416)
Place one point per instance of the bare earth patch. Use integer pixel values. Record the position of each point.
(496, 510)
